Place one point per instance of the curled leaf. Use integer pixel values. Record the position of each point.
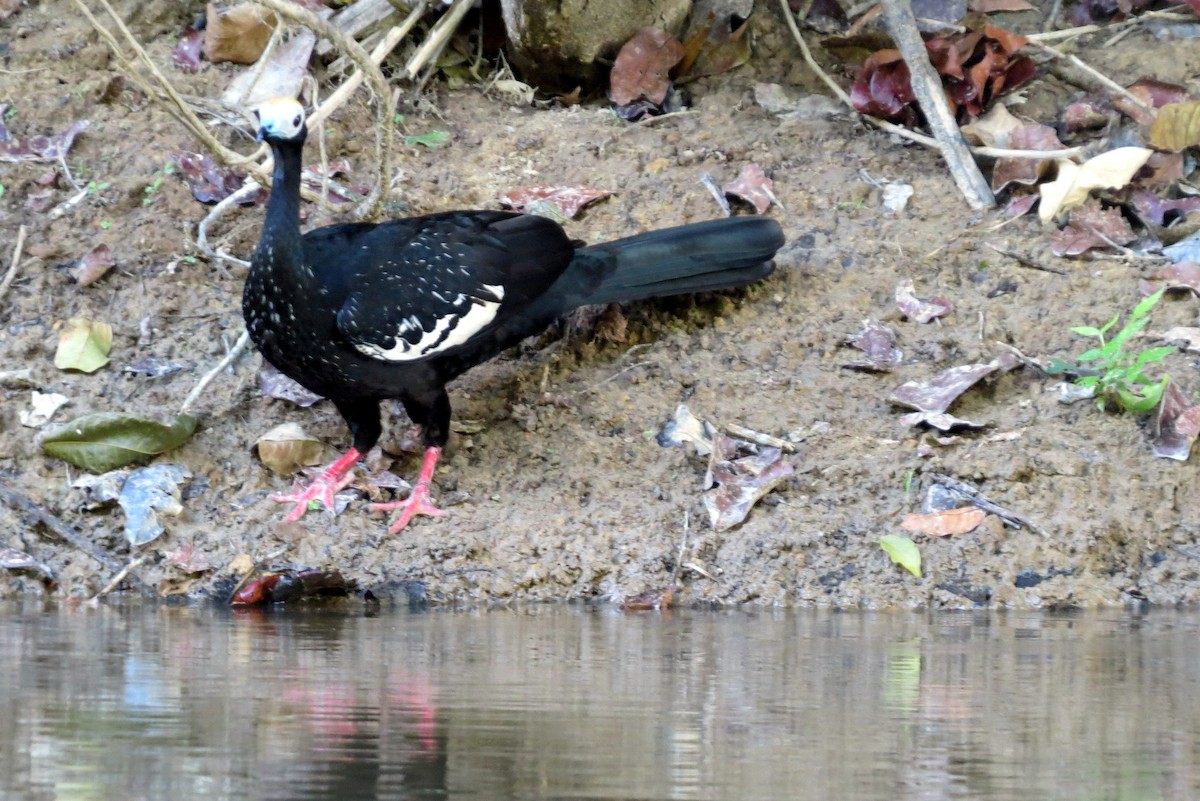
(83, 345)
(918, 310)
(936, 394)
(107, 440)
(879, 345)
(92, 267)
(741, 483)
(642, 65)
(753, 186)
(903, 551)
(286, 448)
(1111, 170)
(1176, 426)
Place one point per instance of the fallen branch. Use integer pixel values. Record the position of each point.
(11, 273)
(1095, 74)
(927, 86)
(237, 350)
(977, 498)
(68, 535)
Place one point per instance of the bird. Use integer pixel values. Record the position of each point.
(364, 312)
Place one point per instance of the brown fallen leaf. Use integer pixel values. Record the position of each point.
(1176, 127)
(37, 148)
(569, 200)
(1184, 275)
(642, 67)
(1188, 335)
(942, 421)
(879, 344)
(238, 34)
(650, 600)
(939, 392)
(209, 181)
(917, 310)
(1153, 93)
(1176, 426)
(1091, 226)
(740, 484)
(999, 128)
(944, 524)
(753, 186)
(92, 267)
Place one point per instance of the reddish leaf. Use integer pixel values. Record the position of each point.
(37, 148)
(939, 392)
(275, 384)
(740, 483)
(92, 267)
(753, 186)
(568, 199)
(1184, 275)
(186, 54)
(209, 182)
(882, 88)
(1085, 115)
(650, 600)
(1154, 210)
(879, 344)
(1176, 426)
(290, 585)
(1091, 226)
(945, 524)
(917, 310)
(1009, 42)
(642, 66)
(1027, 172)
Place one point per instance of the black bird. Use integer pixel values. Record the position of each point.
(361, 312)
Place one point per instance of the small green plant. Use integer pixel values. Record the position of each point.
(1113, 374)
(431, 140)
(151, 189)
(95, 188)
(1, 190)
(106, 224)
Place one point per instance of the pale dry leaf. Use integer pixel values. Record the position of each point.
(1176, 127)
(1176, 426)
(916, 309)
(1111, 170)
(42, 406)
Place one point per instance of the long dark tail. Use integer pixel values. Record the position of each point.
(717, 254)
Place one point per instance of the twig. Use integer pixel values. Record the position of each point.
(67, 534)
(735, 430)
(683, 543)
(927, 86)
(250, 187)
(117, 579)
(1025, 261)
(1095, 74)
(977, 498)
(438, 36)
(11, 273)
(238, 348)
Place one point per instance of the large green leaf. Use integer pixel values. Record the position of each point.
(108, 440)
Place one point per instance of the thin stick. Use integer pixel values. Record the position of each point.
(66, 533)
(11, 273)
(759, 438)
(1025, 261)
(238, 348)
(438, 36)
(250, 187)
(1095, 74)
(977, 498)
(121, 576)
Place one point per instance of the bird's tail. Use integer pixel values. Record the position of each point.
(717, 254)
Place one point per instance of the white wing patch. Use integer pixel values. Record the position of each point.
(448, 332)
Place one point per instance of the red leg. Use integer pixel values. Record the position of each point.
(323, 487)
(417, 502)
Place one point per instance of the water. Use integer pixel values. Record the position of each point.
(574, 703)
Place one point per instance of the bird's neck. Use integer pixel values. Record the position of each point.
(280, 244)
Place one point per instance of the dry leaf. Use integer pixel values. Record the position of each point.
(753, 186)
(286, 448)
(569, 200)
(1111, 170)
(42, 406)
(879, 344)
(1177, 126)
(237, 34)
(1091, 227)
(642, 65)
(92, 267)
(1188, 335)
(275, 384)
(83, 345)
(921, 311)
(281, 76)
(740, 483)
(1176, 426)
(944, 524)
(939, 392)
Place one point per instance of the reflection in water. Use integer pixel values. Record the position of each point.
(569, 703)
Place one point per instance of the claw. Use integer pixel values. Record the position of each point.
(417, 503)
(323, 487)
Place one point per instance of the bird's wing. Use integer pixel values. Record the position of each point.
(432, 286)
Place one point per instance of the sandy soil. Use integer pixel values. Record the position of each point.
(562, 492)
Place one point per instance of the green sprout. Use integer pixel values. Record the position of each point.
(94, 188)
(1113, 374)
(431, 140)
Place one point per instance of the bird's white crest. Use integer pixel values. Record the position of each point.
(281, 117)
(465, 326)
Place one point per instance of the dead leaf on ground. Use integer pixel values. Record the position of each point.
(1159, 211)
(1091, 226)
(944, 524)
(186, 54)
(1111, 170)
(650, 600)
(287, 447)
(42, 406)
(917, 310)
(209, 181)
(715, 48)
(238, 34)
(878, 342)
(36, 148)
(1184, 275)
(83, 345)
(1176, 127)
(1153, 93)
(148, 492)
(1085, 115)
(939, 392)
(275, 384)
(1188, 335)
(1176, 426)
(753, 186)
(740, 483)
(280, 76)
(942, 421)
(569, 200)
(999, 128)
(642, 67)
(92, 267)
(185, 558)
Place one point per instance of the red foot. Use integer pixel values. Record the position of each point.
(323, 487)
(417, 503)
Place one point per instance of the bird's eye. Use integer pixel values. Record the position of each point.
(296, 121)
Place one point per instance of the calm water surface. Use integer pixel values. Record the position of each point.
(573, 703)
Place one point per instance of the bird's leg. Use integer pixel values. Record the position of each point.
(323, 487)
(417, 502)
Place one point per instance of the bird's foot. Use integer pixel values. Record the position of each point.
(323, 487)
(417, 503)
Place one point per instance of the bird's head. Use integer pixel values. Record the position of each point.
(281, 119)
